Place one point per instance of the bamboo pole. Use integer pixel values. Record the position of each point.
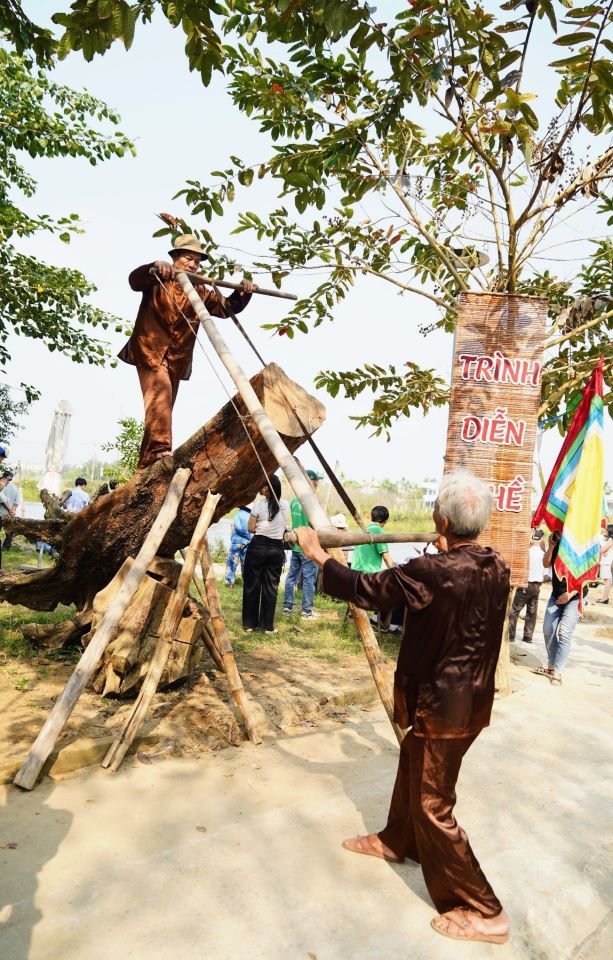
(373, 654)
(232, 285)
(65, 704)
(225, 647)
(502, 679)
(333, 537)
(298, 482)
(207, 632)
(211, 645)
(168, 630)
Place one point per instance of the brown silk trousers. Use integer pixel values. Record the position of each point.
(421, 825)
(159, 388)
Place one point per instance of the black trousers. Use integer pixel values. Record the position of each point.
(525, 597)
(261, 575)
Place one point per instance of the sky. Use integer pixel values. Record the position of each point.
(181, 131)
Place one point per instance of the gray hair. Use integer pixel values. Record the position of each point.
(465, 501)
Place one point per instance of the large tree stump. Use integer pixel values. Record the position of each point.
(94, 543)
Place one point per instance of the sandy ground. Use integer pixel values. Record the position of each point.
(236, 855)
(286, 692)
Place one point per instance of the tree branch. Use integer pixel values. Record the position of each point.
(423, 230)
(581, 181)
(572, 382)
(577, 330)
(403, 286)
(572, 123)
(49, 531)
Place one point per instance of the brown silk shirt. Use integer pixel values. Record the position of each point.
(455, 607)
(160, 330)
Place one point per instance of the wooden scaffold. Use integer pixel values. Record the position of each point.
(129, 596)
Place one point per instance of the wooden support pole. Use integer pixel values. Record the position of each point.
(65, 703)
(208, 638)
(502, 679)
(298, 482)
(373, 654)
(168, 630)
(207, 632)
(225, 647)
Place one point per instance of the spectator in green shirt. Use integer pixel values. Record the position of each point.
(368, 556)
(299, 565)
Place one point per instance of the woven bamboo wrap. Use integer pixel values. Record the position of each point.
(514, 326)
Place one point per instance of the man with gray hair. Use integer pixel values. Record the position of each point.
(455, 605)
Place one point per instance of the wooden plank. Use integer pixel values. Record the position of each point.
(168, 632)
(44, 743)
(225, 647)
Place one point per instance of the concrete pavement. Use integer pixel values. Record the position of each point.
(237, 856)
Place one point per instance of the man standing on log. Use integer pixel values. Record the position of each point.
(455, 604)
(162, 344)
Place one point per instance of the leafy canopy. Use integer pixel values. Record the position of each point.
(413, 150)
(41, 118)
(11, 410)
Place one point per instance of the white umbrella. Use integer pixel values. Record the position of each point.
(56, 449)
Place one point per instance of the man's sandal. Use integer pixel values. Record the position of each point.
(363, 845)
(458, 925)
(556, 679)
(543, 672)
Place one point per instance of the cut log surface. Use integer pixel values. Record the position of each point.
(126, 660)
(95, 543)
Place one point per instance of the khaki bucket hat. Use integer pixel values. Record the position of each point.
(187, 241)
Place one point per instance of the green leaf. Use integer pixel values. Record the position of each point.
(575, 60)
(529, 116)
(547, 6)
(571, 39)
(583, 13)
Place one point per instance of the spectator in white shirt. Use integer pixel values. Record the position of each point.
(4, 502)
(264, 558)
(77, 499)
(528, 596)
(606, 563)
(9, 501)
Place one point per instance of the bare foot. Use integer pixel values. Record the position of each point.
(372, 846)
(464, 924)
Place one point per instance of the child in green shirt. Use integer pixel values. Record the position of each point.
(368, 556)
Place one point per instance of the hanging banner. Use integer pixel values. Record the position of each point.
(495, 396)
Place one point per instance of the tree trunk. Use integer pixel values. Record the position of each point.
(95, 542)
